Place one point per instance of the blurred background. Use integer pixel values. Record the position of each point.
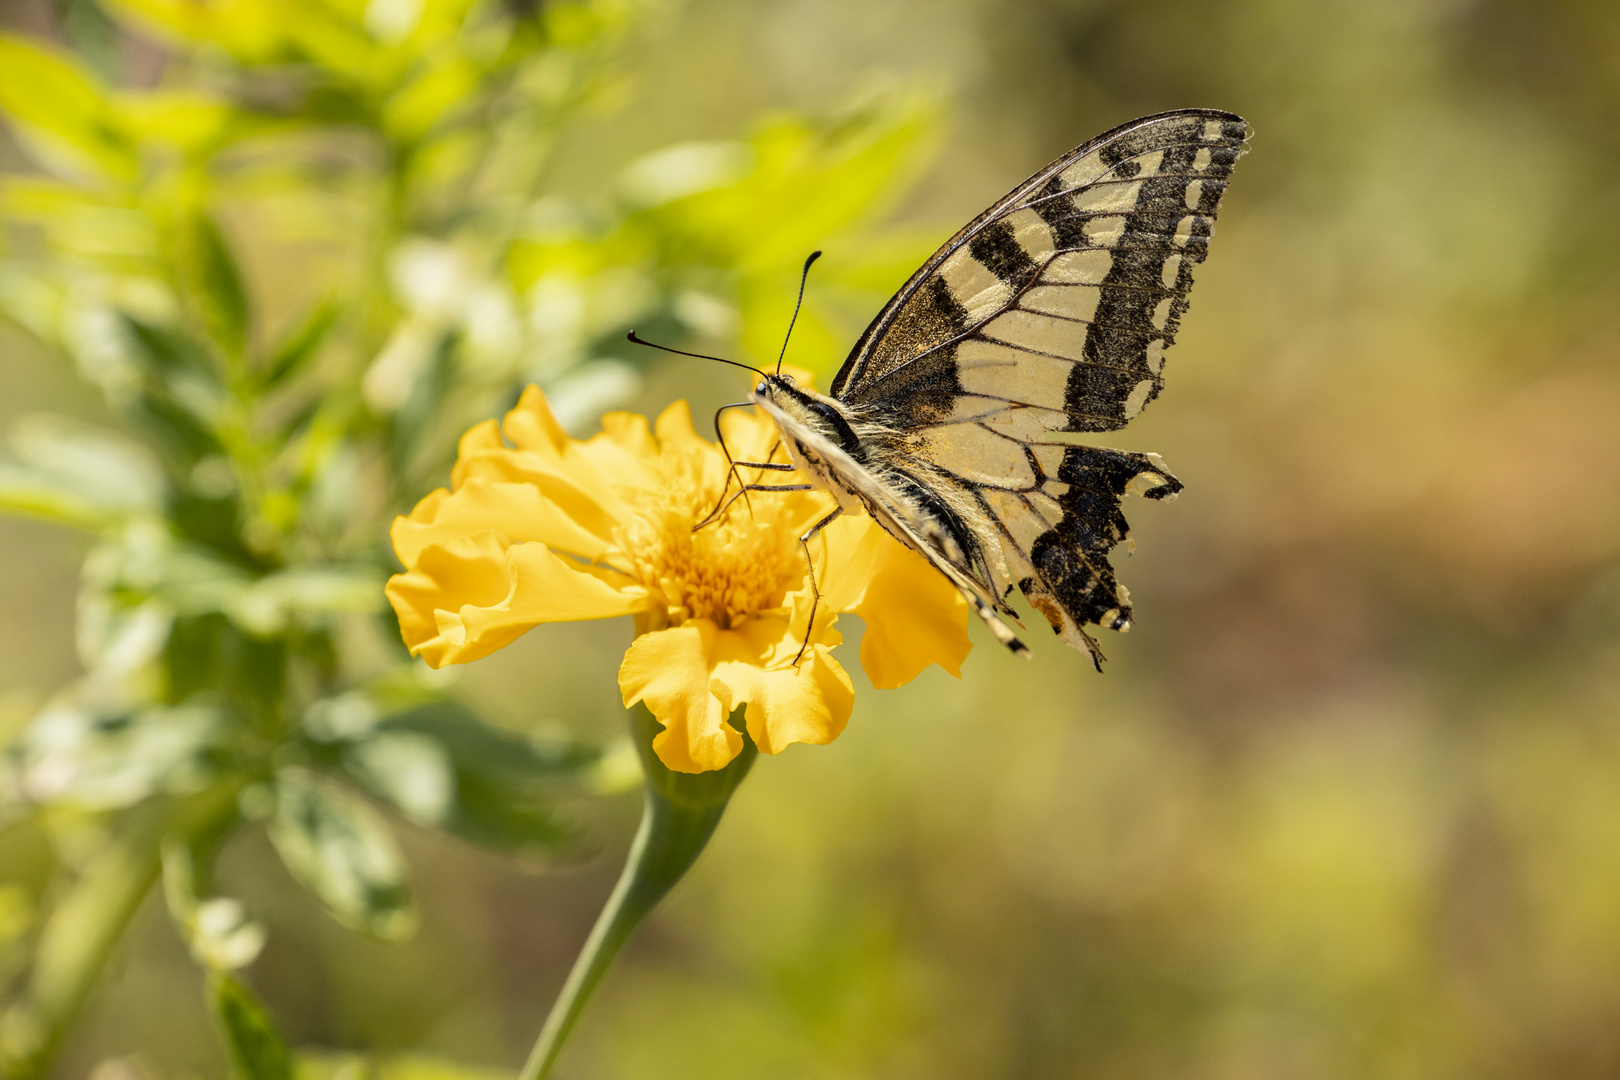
(1346, 802)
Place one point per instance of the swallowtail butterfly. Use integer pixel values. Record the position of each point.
(1050, 312)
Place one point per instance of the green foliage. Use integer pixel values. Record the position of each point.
(297, 268)
(256, 1047)
(340, 847)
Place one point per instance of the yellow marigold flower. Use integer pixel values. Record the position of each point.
(539, 527)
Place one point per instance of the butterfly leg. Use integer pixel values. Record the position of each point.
(815, 590)
(720, 510)
(732, 465)
(731, 462)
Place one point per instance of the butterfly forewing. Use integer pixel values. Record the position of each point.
(1051, 312)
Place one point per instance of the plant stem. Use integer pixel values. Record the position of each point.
(679, 815)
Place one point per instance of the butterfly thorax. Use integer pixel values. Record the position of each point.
(865, 465)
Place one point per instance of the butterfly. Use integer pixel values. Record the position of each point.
(1048, 313)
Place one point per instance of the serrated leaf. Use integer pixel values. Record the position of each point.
(342, 850)
(255, 1045)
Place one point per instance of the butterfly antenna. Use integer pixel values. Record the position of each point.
(631, 336)
(804, 276)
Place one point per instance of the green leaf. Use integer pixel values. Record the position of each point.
(256, 1048)
(342, 850)
(411, 771)
(336, 1066)
(206, 267)
(165, 349)
(94, 761)
(27, 493)
(77, 474)
(300, 345)
(60, 111)
(506, 784)
(190, 120)
(308, 592)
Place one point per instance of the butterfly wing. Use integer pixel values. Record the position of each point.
(1051, 312)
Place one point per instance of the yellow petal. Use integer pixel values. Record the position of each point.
(468, 596)
(675, 431)
(809, 702)
(482, 442)
(914, 616)
(531, 426)
(669, 670)
(519, 511)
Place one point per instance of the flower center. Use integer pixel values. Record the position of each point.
(733, 568)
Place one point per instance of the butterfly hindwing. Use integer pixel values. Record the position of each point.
(1051, 312)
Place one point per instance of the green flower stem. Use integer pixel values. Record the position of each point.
(678, 817)
(79, 938)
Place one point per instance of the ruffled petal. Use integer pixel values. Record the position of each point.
(577, 490)
(914, 616)
(541, 454)
(669, 670)
(531, 426)
(468, 596)
(519, 511)
(809, 702)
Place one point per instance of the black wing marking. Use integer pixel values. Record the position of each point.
(1084, 269)
(1053, 513)
(1051, 312)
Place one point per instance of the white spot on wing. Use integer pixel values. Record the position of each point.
(1195, 192)
(1084, 171)
(1150, 163)
(1046, 507)
(1025, 527)
(986, 368)
(1171, 272)
(1108, 197)
(1155, 355)
(1042, 333)
(1024, 423)
(1104, 231)
(977, 455)
(1184, 230)
(1212, 130)
(1050, 455)
(1144, 482)
(974, 287)
(1033, 234)
(1138, 398)
(1068, 301)
(1202, 159)
(1161, 313)
(1087, 267)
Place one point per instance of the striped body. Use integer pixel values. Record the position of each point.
(1051, 312)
